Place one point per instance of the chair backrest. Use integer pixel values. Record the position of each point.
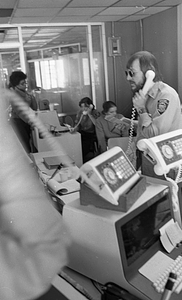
(68, 120)
(44, 104)
(49, 118)
(122, 142)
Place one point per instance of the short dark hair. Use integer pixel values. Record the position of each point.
(107, 105)
(85, 100)
(16, 77)
(147, 62)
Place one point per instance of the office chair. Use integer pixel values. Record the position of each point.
(122, 142)
(44, 104)
(70, 142)
(50, 120)
(68, 120)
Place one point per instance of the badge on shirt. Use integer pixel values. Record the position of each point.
(162, 105)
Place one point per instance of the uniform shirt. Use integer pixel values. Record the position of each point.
(163, 112)
(105, 130)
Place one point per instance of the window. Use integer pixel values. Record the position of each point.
(50, 73)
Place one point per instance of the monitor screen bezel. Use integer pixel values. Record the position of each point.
(131, 269)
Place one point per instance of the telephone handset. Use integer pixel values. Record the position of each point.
(149, 81)
(85, 112)
(164, 150)
(111, 173)
(147, 86)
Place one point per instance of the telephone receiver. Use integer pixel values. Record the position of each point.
(163, 150)
(150, 75)
(85, 112)
(63, 188)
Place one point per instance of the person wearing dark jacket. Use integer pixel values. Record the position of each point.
(85, 124)
(18, 83)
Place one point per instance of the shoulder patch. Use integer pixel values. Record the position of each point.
(162, 105)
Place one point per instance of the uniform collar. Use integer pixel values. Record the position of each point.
(154, 90)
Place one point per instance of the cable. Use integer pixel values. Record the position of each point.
(100, 287)
(175, 201)
(81, 117)
(179, 174)
(131, 153)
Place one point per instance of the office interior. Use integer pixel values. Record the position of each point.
(67, 57)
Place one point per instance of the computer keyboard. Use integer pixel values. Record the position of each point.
(176, 268)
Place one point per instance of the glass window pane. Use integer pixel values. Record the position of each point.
(98, 66)
(64, 63)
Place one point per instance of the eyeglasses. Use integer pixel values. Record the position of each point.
(23, 82)
(130, 73)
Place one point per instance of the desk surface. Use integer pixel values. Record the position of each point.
(38, 159)
(67, 292)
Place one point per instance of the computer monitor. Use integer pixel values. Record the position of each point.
(111, 246)
(138, 232)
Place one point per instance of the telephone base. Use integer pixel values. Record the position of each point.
(89, 197)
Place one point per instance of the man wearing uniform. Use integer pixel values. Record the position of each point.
(159, 111)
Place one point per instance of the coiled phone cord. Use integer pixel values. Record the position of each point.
(130, 152)
(81, 117)
(175, 200)
(150, 75)
(179, 174)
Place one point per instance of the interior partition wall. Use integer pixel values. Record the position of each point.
(63, 62)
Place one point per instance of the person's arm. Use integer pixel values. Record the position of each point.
(93, 115)
(92, 118)
(33, 246)
(10, 95)
(166, 111)
(33, 104)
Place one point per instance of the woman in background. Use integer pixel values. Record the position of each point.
(85, 125)
(107, 128)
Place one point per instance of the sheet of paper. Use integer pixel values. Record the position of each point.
(163, 228)
(155, 266)
(174, 234)
(168, 246)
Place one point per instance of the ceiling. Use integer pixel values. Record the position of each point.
(53, 11)
(50, 12)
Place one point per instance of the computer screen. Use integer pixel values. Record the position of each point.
(138, 231)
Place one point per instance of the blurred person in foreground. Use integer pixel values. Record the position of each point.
(33, 245)
(20, 124)
(159, 110)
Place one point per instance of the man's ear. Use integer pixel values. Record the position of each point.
(91, 106)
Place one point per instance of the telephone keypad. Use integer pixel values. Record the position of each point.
(177, 146)
(116, 171)
(171, 149)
